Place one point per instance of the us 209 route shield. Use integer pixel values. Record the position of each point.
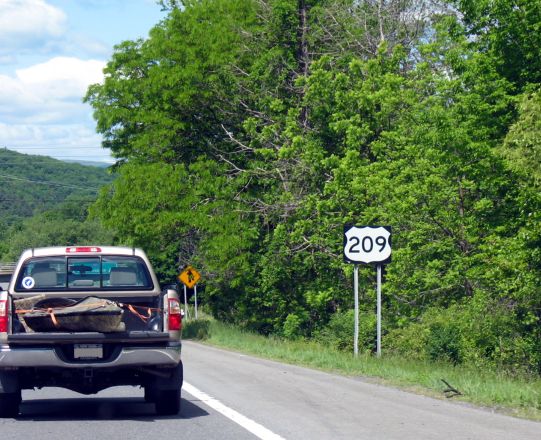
(367, 244)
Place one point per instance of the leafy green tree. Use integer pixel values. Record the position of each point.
(164, 98)
(509, 32)
(32, 184)
(522, 145)
(248, 133)
(65, 225)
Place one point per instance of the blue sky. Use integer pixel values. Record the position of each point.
(50, 51)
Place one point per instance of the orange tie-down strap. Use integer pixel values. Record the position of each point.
(143, 318)
(53, 318)
(130, 307)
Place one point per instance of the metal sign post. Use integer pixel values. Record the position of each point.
(195, 296)
(368, 245)
(356, 293)
(378, 291)
(186, 303)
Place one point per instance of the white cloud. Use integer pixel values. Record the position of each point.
(41, 107)
(101, 3)
(41, 104)
(72, 141)
(29, 24)
(61, 77)
(79, 43)
(50, 91)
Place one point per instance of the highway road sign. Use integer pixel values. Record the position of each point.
(367, 244)
(189, 276)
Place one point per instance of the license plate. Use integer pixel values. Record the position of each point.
(88, 351)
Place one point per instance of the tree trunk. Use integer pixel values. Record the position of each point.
(303, 55)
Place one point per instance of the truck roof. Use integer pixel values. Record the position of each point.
(81, 250)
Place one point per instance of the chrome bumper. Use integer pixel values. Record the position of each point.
(44, 357)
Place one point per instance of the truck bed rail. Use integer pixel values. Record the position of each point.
(51, 338)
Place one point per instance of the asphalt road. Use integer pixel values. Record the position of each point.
(233, 396)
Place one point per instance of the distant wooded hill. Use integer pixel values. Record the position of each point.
(32, 184)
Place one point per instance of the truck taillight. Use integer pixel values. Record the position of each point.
(3, 316)
(74, 250)
(175, 316)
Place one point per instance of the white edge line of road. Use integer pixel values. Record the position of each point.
(248, 424)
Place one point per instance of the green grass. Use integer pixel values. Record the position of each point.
(518, 396)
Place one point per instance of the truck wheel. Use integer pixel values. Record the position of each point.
(168, 402)
(9, 404)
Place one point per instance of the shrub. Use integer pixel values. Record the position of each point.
(292, 326)
(338, 333)
(444, 342)
(409, 341)
(196, 329)
(437, 336)
(481, 331)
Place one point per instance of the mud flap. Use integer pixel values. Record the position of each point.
(156, 384)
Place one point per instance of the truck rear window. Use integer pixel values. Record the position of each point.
(84, 273)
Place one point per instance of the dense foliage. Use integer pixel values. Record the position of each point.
(31, 184)
(44, 202)
(248, 132)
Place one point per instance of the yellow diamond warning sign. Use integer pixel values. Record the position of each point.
(189, 276)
